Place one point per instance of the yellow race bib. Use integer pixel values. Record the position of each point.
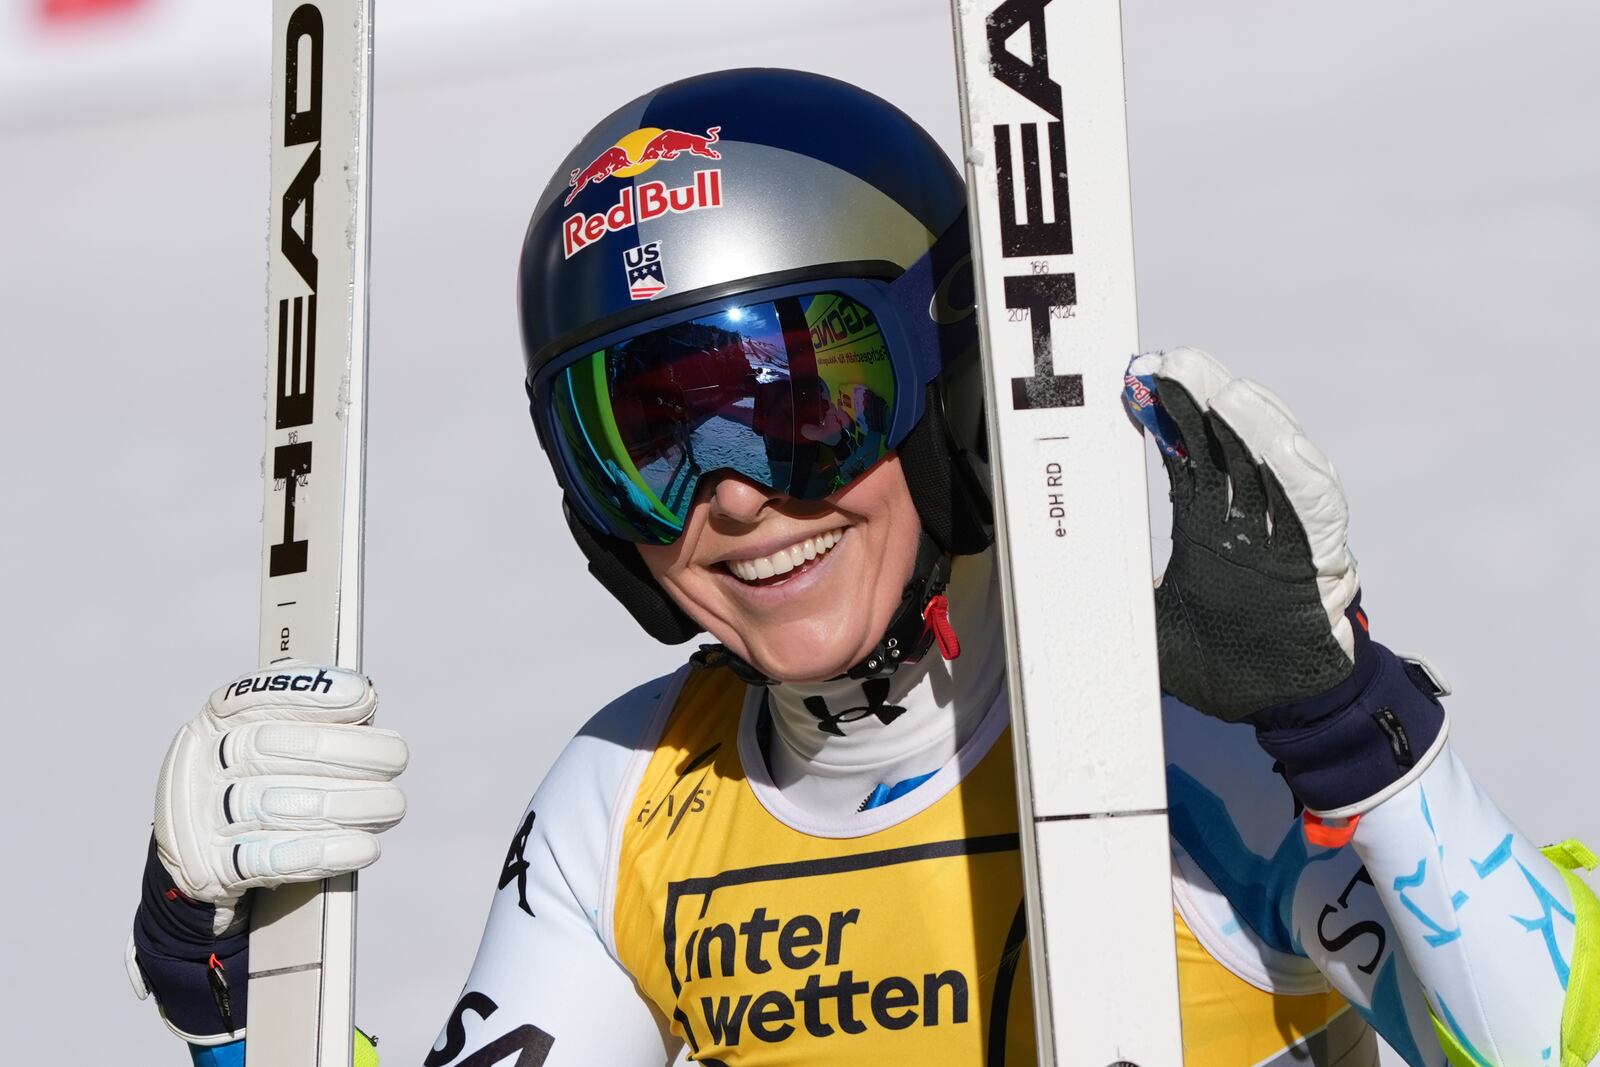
(766, 945)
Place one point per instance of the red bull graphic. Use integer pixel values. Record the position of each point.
(605, 165)
(641, 203)
(657, 146)
(669, 143)
(1143, 403)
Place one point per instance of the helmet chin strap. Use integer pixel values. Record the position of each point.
(911, 632)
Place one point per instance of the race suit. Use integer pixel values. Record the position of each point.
(830, 874)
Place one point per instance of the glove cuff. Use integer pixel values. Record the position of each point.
(199, 980)
(1341, 750)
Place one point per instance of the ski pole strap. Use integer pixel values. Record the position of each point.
(1580, 1014)
(1458, 1052)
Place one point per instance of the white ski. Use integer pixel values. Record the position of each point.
(1044, 131)
(302, 938)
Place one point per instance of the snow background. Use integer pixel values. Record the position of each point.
(1388, 213)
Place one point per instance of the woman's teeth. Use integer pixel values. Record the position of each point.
(785, 559)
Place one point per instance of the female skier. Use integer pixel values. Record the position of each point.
(752, 368)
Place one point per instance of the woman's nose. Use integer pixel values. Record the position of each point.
(738, 500)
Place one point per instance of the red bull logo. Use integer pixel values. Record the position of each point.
(605, 165)
(1138, 394)
(638, 152)
(641, 203)
(633, 155)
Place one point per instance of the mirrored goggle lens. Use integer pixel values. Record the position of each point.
(796, 394)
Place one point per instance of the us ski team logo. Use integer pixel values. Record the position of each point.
(646, 276)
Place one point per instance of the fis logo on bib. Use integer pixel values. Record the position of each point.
(646, 274)
(632, 155)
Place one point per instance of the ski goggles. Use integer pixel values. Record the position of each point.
(799, 388)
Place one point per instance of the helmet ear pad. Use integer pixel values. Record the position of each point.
(950, 496)
(617, 565)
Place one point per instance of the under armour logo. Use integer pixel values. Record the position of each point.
(876, 690)
(516, 866)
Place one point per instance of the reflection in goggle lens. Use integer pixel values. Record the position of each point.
(796, 394)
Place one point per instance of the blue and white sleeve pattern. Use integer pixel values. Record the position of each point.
(1487, 923)
(1271, 907)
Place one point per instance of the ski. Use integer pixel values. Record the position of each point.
(1044, 134)
(302, 938)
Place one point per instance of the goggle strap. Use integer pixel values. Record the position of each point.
(916, 297)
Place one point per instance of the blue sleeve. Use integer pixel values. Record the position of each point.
(229, 1055)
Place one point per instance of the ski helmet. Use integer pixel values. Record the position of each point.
(739, 197)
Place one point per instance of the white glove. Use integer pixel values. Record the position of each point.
(278, 779)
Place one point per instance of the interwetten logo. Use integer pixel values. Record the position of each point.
(802, 943)
(746, 970)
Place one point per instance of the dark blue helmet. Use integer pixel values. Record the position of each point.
(737, 182)
(747, 179)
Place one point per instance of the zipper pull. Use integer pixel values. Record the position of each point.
(217, 978)
(936, 620)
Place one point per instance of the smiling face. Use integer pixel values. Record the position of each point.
(800, 590)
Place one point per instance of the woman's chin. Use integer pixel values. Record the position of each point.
(804, 660)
